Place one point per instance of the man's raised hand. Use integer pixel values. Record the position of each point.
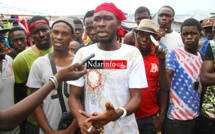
(70, 73)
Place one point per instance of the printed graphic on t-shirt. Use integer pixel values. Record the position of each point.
(9, 72)
(94, 85)
(94, 79)
(154, 67)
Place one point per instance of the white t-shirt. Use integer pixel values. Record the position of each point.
(102, 85)
(39, 75)
(172, 40)
(7, 88)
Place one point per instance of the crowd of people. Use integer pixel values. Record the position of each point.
(164, 87)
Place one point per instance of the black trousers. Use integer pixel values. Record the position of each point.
(179, 127)
(205, 125)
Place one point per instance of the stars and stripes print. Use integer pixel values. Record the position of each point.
(184, 101)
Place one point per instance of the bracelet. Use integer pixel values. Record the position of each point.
(124, 112)
(54, 80)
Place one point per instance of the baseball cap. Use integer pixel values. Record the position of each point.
(16, 24)
(208, 22)
(4, 30)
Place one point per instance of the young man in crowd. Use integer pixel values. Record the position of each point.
(140, 13)
(8, 47)
(18, 40)
(17, 37)
(49, 114)
(183, 67)
(168, 38)
(72, 46)
(207, 29)
(40, 33)
(120, 87)
(88, 22)
(207, 116)
(79, 30)
(6, 79)
(154, 60)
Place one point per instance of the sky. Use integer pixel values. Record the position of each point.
(80, 7)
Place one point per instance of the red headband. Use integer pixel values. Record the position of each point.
(112, 8)
(37, 23)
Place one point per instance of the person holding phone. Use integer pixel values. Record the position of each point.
(13, 116)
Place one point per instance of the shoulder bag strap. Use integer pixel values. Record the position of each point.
(36, 50)
(59, 90)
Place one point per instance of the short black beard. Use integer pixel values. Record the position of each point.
(111, 38)
(44, 46)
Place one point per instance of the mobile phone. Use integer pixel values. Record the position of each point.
(196, 86)
(87, 58)
(154, 41)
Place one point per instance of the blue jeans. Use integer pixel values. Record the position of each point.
(145, 125)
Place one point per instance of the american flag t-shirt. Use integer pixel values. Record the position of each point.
(184, 101)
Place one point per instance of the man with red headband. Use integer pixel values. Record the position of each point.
(40, 33)
(112, 93)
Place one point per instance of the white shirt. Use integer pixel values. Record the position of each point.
(102, 85)
(172, 40)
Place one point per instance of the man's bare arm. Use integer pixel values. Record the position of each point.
(11, 117)
(129, 39)
(207, 73)
(164, 84)
(160, 53)
(134, 103)
(75, 104)
(163, 99)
